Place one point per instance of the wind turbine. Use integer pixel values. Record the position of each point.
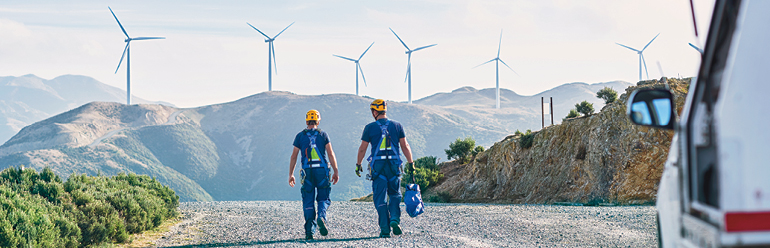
(696, 48)
(358, 66)
(497, 69)
(127, 55)
(409, 62)
(641, 57)
(270, 55)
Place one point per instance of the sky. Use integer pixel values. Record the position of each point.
(210, 55)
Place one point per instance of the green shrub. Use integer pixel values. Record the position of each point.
(572, 114)
(441, 197)
(426, 174)
(585, 108)
(460, 149)
(607, 94)
(477, 150)
(527, 139)
(39, 210)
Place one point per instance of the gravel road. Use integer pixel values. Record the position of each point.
(353, 224)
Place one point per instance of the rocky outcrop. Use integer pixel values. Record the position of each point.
(600, 158)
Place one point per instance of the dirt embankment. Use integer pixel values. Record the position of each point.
(600, 158)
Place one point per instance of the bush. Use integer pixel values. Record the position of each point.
(39, 210)
(441, 197)
(427, 173)
(527, 139)
(477, 150)
(585, 108)
(572, 114)
(461, 149)
(607, 94)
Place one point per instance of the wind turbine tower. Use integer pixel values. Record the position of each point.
(409, 62)
(641, 57)
(270, 55)
(497, 70)
(127, 55)
(358, 66)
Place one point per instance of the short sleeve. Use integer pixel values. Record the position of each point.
(326, 137)
(400, 130)
(365, 135)
(296, 140)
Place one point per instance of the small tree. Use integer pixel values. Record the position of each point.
(460, 149)
(607, 94)
(585, 108)
(477, 150)
(572, 114)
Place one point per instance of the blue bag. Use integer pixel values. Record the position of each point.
(413, 200)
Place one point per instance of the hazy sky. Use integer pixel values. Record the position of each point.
(211, 56)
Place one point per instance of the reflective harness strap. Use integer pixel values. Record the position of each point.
(313, 159)
(384, 147)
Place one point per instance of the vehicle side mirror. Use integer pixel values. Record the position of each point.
(652, 107)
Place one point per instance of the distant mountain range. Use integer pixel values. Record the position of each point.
(240, 150)
(27, 99)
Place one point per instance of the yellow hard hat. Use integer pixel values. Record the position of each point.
(313, 115)
(379, 105)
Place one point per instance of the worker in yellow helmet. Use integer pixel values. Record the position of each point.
(388, 140)
(316, 180)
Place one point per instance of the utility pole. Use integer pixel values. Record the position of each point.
(542, 110)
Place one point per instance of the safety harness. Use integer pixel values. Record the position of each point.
(386, 150)
(313, 160)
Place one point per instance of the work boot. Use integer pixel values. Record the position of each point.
(396, 228)
(309, 236)
(322, 227)
(384, 235)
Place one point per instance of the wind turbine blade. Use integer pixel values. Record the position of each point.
(696, 48)
(500, 43)
(408, 67)
(275, 63)
(645, 67)
(645, 47)
(122, 56)
(506, 65)
(367, 49)
(420, 48)
(343, 57)
(121, 25)
(399, 38)
(287, 27)
(362, 73)
(627, 47)
(484, 63)
(148, 38)
(268, 37)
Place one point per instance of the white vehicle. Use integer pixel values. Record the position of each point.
(715, 188)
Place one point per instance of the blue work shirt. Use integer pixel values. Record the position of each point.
(372, 134)
(302, 142)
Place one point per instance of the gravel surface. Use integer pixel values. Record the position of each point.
(353, 224)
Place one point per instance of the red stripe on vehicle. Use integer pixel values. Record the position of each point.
(747, 221)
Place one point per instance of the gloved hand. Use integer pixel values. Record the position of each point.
(410, 167)
(359, 169)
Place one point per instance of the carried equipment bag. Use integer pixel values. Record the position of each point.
(413, 199)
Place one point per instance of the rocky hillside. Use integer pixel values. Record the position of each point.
(27, 99)
(600, 158)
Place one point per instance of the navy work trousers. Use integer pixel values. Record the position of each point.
(315, 186)
(386, 184)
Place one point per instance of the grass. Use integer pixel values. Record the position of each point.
(145, 239)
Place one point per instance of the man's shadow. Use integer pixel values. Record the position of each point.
(271, 242)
